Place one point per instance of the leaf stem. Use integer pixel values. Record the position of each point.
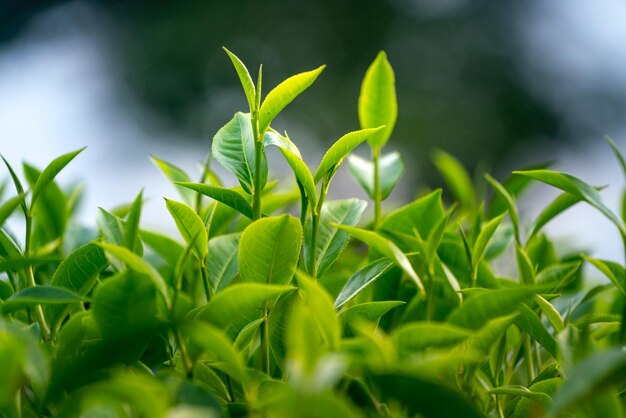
(378, 209)
(258, 162)
(315, 221)
(265, 340)
(41, 319)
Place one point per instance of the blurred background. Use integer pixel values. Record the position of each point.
(497, 83)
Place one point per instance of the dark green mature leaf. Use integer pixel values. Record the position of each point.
(78, 273)
(39, 295)
(244, 77)
(330, 241)
(530, 323)
(167, 248)
(233, 147)
(377, 100)
(535, 404)
(50, 172)
(239, 304)
(138, 264)
(577, 187)
(283, 94)
(269, 250)
(229, 197)
(175, 174)
(387, 248)
(370, 311)
(416, 336)
(422, 214)
(589, 377)
(214, 342)
(126, 304)
(423, 397)
(489, 304)
(222, 264)
(9, 207)
(458, 180)
(361, 279)
(340, 149)
(391, 169)
(190, 227)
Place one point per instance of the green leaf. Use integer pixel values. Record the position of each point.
(560, 204)
(480, 246)
(387, 248)
(457, 178)
(269, 250)
(50, 172)
(618, 154)
(529, 322)
(422, 397)
(229, 197)
(244, 77)
(370, 311)
(510, 204)
(138, 264)
(417, 336)
(39, 295)
(321, 304)
(239, 304)
(613, 271)
(175, 175)
(488, 305)
(298, 166)
(523, 392)
(213, 341)
(17, 183)
(283, 94)
(282, 142)
(233, 147)
(131, 238)
(361, 279)
(167, 248)
(576, 187)
(377, 100)
(222, 264)
(553, 316)
(9, 207)
(589, 377)
(50, 211)
(524, 266)
(330, 241)
(340, 149)
(125, 306)
(78, 273)
(529, 405)
(422, 215)
(111, 227)
(391, 169)
(190, 227)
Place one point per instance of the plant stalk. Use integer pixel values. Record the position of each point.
(315, 221)
(378, 208)
(258, 162)
(41, 319)
(265, 341)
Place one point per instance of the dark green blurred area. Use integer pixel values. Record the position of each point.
(457, 67)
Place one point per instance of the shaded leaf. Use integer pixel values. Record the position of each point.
(229, 197)
(361, 279)
(391, 168)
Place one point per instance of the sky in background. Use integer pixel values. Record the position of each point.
(57, 95)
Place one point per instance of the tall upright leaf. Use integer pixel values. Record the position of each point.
(377, 100)
(244, 77)
(190, 227)
(50, 172)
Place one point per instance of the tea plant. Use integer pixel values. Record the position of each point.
(257, 312)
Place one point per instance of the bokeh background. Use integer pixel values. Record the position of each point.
(497, 83)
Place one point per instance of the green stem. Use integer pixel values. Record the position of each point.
(41, 319)
(183, 354)
(315, 220)
(258, 162)
(265, 340)
(528, 356)
(622, 329)
(378, 208)
(205, 282)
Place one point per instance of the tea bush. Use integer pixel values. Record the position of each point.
(257, 312)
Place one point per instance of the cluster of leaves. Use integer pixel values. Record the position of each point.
(258, 313)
